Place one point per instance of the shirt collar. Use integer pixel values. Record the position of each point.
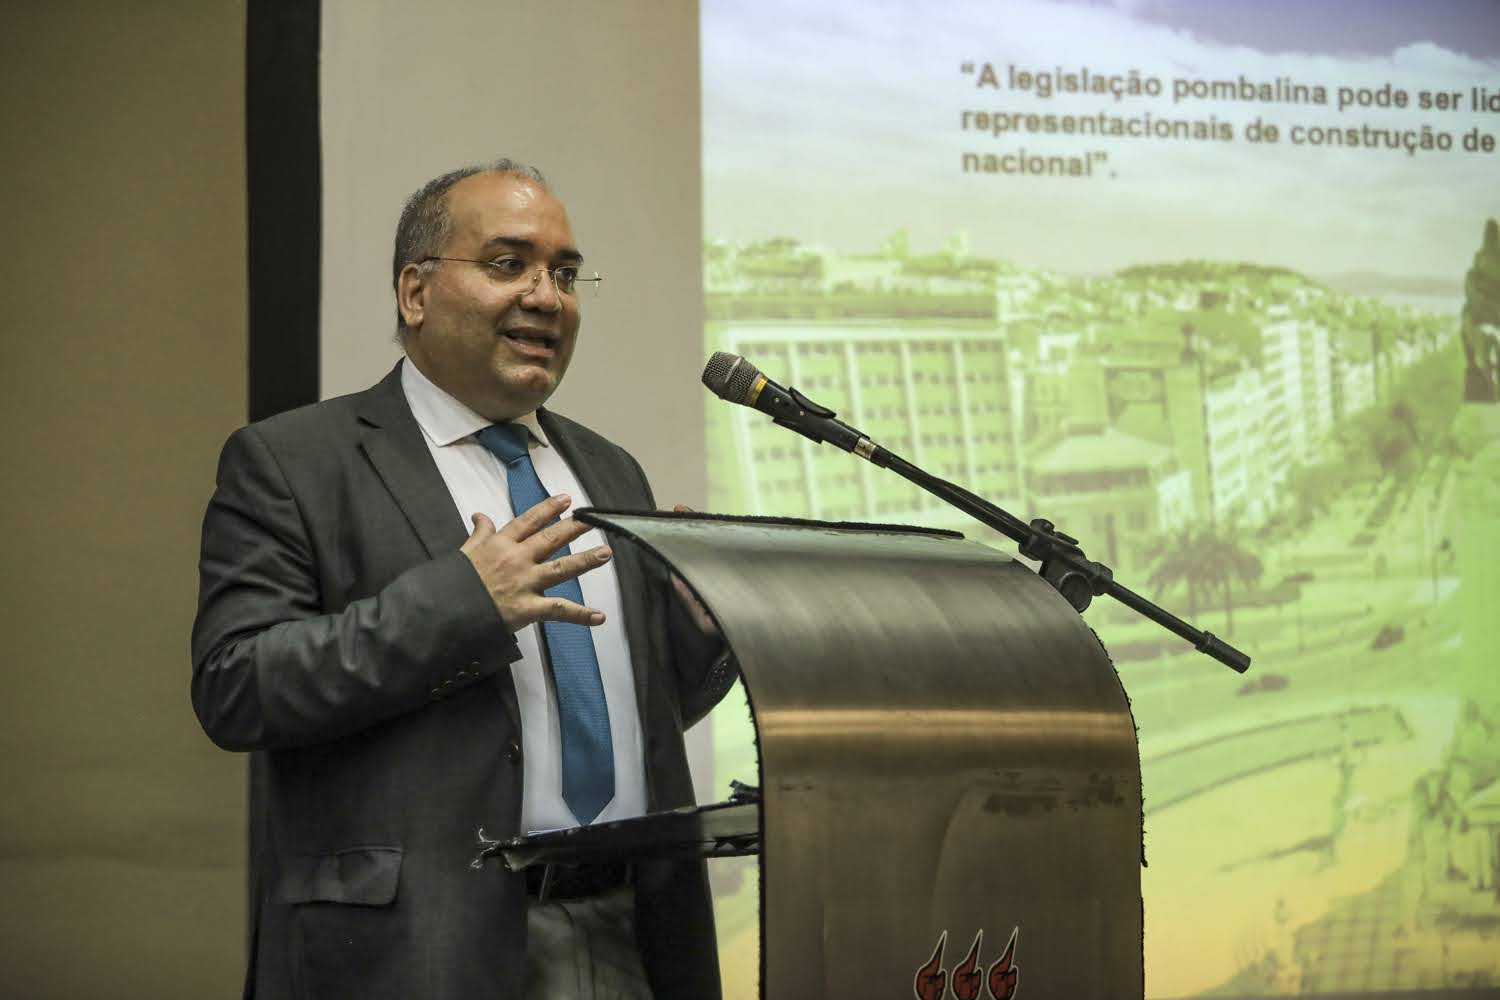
(444, 419)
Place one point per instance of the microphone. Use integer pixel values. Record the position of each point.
(732, 378)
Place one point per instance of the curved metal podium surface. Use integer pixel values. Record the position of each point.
(950, 782)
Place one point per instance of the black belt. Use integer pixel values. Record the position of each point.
(573, 882)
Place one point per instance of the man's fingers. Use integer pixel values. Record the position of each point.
(554, 536)
(515, 566)
(528, 523)
(560, 609)
(696, 610)
(484, 529)
(570, 566)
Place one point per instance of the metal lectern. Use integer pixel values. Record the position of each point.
(950, 795)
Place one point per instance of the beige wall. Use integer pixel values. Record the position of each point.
(121, 827)
(603, 97)
(121, 839)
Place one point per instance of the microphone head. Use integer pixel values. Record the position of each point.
(730, 377)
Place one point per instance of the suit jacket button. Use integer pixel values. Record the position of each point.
(437, 692)
(513, 752)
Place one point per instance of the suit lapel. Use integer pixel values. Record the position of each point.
(395, 446)
(598, 472)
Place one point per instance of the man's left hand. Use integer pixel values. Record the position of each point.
(696, 610)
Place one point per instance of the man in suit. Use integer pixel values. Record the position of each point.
(402, 686)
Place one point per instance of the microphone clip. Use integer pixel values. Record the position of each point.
(808, 406)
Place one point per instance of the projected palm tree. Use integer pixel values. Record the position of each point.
(1207, 559)
(1179, 556)
(1481, 319)
(1311, 489)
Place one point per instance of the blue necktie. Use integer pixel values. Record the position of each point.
(588, 756)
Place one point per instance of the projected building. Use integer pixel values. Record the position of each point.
(1201, 384)
(1117, 490)
(938, 395)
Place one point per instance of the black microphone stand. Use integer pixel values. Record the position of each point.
(1078, 578)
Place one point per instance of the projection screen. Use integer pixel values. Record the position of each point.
(1216, 288)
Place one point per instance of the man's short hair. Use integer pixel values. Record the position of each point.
(425, 222)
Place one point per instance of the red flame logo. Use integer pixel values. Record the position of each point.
(968, 978)
(931, 979)
(1005, 974)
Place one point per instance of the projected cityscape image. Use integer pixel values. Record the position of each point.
(1283, 432)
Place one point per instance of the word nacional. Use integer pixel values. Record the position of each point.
(1037, 164)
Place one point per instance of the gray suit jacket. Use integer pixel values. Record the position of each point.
(343, 638)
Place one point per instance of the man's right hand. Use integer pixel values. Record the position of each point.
(512, 562)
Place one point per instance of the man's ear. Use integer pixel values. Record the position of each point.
(411, 295)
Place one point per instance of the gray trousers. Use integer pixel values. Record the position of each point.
(584, 949)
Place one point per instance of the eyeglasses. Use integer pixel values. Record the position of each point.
(518, 277)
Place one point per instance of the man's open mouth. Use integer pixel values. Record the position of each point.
(532, 341)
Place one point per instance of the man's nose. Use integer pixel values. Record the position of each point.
(542, 292)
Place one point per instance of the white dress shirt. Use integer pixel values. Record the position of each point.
(476, 480)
